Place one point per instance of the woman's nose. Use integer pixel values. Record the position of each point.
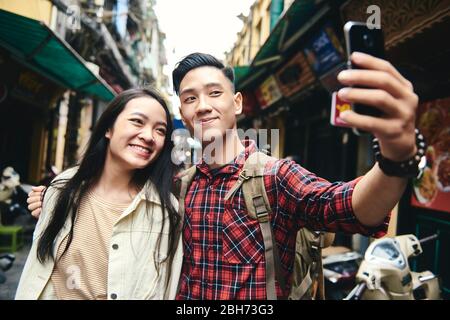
(147, 136)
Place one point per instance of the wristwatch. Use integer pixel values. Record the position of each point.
(410, 168)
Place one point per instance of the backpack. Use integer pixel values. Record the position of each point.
(307, 274)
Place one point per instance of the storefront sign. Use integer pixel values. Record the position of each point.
(329, 80)
(400, 19)
(34, 89)
(432, 190)
(324, 51)
(294, 75)
(268, 93)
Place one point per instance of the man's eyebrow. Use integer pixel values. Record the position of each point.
(187, 90)
(208, 85)
(214, 84)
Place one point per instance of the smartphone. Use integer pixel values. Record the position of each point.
(358, 37)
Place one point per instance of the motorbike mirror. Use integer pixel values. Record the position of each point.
(430, 238)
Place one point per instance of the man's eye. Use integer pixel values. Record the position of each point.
(189, 99)
(216, 93)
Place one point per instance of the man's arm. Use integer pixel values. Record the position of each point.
(376, 193)
(299, 198)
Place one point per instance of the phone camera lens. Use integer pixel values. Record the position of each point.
(368, 40)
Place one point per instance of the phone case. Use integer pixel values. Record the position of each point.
(337, 106)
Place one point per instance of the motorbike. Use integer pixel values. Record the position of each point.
(13, 197)
(13, 201)
(6, 262)
(384, 274)
(340, 266)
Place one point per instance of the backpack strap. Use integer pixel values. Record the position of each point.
(258, 207)
(308, 244)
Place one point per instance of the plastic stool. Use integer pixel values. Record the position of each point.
(11, 238)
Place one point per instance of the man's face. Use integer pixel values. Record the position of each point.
(208, 103)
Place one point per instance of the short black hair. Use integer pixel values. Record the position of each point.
(197, 60)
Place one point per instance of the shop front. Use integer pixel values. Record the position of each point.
(26, 104)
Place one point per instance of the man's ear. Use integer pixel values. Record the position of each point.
(183, 119)
(238, 100)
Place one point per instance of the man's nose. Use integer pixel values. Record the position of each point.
(203, 105)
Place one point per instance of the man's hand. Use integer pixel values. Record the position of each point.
(34, 200)
(389, 92)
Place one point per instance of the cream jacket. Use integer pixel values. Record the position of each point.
(131, 269)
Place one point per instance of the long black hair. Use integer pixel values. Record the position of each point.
(160, 172)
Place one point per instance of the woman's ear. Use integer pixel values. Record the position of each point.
(108, 134)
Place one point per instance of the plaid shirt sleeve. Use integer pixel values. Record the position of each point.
(300, 198)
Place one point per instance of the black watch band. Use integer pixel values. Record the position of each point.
(410, 168)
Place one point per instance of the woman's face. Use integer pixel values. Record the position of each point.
(137, 137)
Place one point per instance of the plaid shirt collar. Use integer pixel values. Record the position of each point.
(233, 166)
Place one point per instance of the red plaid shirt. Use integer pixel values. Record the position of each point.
(223, 247)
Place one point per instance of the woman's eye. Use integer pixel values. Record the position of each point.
(162, 131)
(138, 121)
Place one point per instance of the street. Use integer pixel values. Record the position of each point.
(8, 289)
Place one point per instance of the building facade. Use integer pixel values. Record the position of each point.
(61, 62)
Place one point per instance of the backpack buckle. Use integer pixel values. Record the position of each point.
(260, 209)
(243, 176)
(263, 217)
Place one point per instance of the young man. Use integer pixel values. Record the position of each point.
(223, 247)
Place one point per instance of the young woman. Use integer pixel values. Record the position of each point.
(109, 228)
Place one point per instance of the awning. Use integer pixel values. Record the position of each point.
(35, 45)
(298, 19)
(240, 72)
